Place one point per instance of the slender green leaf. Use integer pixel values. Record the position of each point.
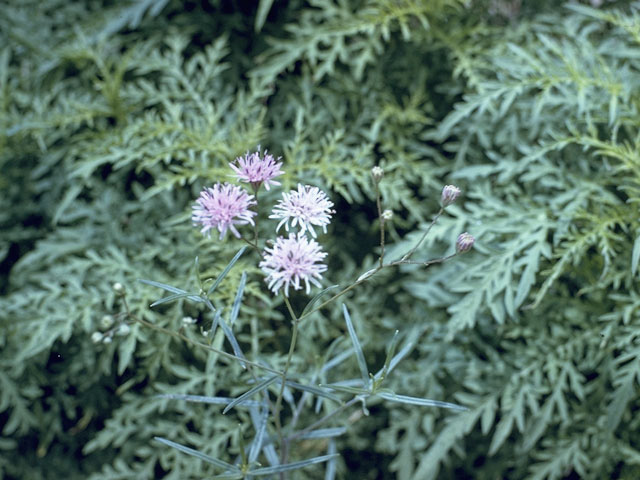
(292, 466)
(390, 353)
(225, 271)
(236, 303)
(256, 445)
(325, 432)
(245, 396)
(197, 454)
(179, 293)
(347, 389)
(261, 16)
(364, 371)
(205, 399)
(635, 256)
(315, 299)
(314, 390)
(176, 296)
(425, 402)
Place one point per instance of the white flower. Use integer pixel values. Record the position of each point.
(292, 260)
(306, 207)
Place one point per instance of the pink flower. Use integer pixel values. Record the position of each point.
(223, 207)
(291, 261)
(304, 208)
(257, 170)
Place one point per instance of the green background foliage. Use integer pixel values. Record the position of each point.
(113, 116)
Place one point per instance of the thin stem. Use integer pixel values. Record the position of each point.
(381, 220)
(255, 224)
(292, 347)
(417, 245)
(416, 262)
(251, 244)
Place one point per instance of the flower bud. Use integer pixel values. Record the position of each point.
(123, 329)
(107, 339)
(106, 322)
(188, 321)
(449, 195)
(96, 337)
(465, 242)
(387, 215)
(118, 288)
(377, 173)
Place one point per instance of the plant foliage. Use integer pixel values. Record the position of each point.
(113, 116)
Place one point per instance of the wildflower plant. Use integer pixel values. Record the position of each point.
(291, 264)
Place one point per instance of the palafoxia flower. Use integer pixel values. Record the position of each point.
(465, 242)
(449, 195)
(223, 207)
(256, 170)
(306, 207)
(291, 261)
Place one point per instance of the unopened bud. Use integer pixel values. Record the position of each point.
(449, 195)
(107, 339)
(377, 173)
(123, 329)
(188, 320)
(96, 337)
(118, 288)
(387, 215)
(465, 242)
(106, 322)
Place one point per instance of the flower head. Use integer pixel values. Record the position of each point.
(306, 207)
(256, 170)
(291, 261)
(377, 173)
(223, 207)
(449, 195)
(465, 242)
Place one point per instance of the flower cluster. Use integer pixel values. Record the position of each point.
(295, 261)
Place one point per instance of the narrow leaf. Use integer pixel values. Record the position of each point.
(197, 454)
(364, 371)
(225, 271)
(232, 340)
(314, 390)
(346, 389)
(425, 402)
(205, 399)
(325, 433)
(236, 303)
(315, 299)
(292, 466)
(245, 396)
(176, 296)
(263, 10)
(635, 256)
(256, 445)
(390, 353)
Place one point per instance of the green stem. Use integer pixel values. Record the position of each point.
(417, 245)
(292, 347)
(381, 220)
